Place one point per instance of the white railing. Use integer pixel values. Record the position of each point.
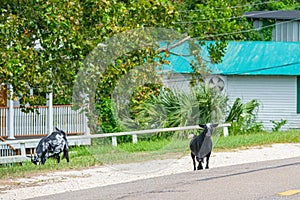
(32, 123)
(78, 140)
(8, 153)
(6, 150)
(35, 123)
(72, 121)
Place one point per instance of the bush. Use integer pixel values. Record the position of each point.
(173, 108)
(242, 117)
(277, 125)
(108, 122)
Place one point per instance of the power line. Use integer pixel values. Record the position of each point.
(219, 19)
(240, 6)
(248, 30)
(263, 69)
(211, 20)
(229, 18)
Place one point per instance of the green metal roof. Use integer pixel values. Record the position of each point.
(244, 58)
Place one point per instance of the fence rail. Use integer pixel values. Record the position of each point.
(78, 140)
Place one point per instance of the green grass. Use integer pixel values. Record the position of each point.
(104, 153)
(143, 150)
(79, 156)
(257, 139)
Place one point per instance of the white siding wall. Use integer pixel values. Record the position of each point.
(283, 30)
(178, 81)
(276, 94)
(287, 32)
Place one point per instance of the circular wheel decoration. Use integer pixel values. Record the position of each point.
(217, 82)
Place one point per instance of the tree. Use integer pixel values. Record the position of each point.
(44, 44)
(260, 5)
(40, 47)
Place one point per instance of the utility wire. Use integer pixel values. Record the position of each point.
(219, 19)
(248, 30)
(229, 18)
(263, 69)
(239, 6)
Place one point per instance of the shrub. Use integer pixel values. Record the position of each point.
(173, 108)
(242, 117)
(106, 109)
(277, 125)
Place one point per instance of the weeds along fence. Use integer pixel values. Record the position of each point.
(81, 139)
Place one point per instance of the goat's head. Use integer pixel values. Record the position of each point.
(35, 160)
(208, 128)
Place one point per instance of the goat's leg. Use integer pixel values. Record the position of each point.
(200, 167)
(66, 154)
(67, 158)
(43, 160)
(194, 162)
(57, 157)
(207, 160)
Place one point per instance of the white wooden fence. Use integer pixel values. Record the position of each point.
(75, 140)
(35, 123)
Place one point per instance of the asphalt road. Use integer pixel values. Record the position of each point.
(261, 180)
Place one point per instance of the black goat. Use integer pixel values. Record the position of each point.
(201, 145)
(52, 146)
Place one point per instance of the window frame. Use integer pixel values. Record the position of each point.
(298, 94)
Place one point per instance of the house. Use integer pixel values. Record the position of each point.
(266, 71)
(284, 24)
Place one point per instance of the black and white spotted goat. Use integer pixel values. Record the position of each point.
(51, 146)
(201, 145)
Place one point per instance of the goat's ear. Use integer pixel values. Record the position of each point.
(202, 125)
(57, 129)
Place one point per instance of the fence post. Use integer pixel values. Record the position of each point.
(134, 138)
(10, 113)
(114, 141)
(49, 113)
(87, 130)
(225, 131)
(23, 150)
